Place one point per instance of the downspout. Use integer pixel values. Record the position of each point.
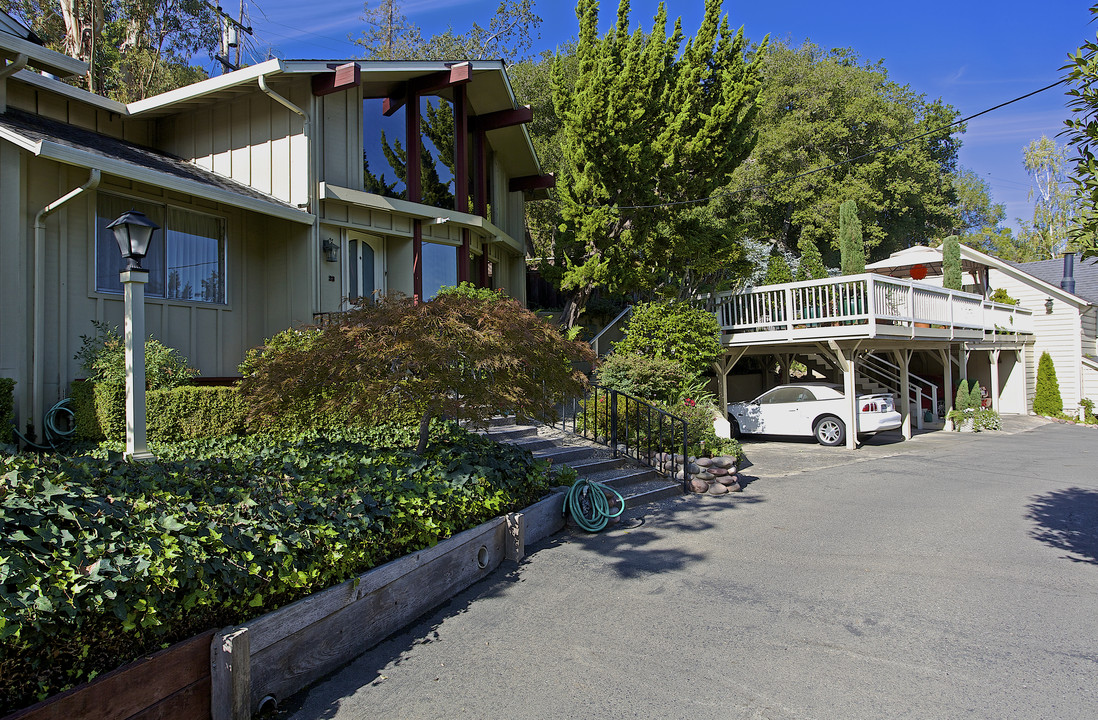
(314, 204)
(9, 69)
(38, 361)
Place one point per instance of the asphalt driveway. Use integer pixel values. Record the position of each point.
(948, 576)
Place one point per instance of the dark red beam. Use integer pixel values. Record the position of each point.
(532, 182)
(503, 118)
(457, 75)
(343, 77)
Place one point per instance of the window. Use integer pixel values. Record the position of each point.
(439, 268)
(186, 259)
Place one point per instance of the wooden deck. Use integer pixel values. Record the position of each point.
(862, 307)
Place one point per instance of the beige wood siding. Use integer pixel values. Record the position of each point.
(1058, 333)
(341, 138)
(253, 140)
(68, 110)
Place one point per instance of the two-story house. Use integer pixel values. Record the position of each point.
(256, 179)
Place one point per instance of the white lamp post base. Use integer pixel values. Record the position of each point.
(133, 281)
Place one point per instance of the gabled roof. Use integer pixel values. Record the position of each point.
(1052, 271)
(17, 40)
(77, 146)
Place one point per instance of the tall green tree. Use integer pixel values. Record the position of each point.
(134, 48)
(647, 121)
(1082, 136)
(1046, 396)
(851, 242)
(822, 108)
(952, 277)
(1046, 236)
(390, 35)
(777, 269)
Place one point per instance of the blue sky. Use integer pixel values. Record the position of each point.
(971, 54)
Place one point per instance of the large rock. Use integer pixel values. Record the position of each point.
(728, 479)
(717, 489)
(724, 461)
(704, 462)
(717, 471)
(693, 468)
(698, 486)
(734, 488)
(704, 476)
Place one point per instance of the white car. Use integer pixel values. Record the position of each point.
(811, 409)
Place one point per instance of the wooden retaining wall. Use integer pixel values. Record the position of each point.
(232, 674)
(173, 684)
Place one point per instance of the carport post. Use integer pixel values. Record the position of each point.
(994, 379)
(846, 364)
(903, 359)
(947, 378)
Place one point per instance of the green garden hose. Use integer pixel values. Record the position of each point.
(586, 501)
(55, 434)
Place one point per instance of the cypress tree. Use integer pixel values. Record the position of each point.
(851, 245)
(777, 269)
(1046, 397)
(961, 401)
(951, 263)
(812, 265)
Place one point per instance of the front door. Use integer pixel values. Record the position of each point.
(365, 267)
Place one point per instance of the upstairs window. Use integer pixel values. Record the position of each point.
(186, 259)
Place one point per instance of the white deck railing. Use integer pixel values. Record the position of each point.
(874, 301)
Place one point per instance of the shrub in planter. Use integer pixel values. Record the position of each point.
(986, 419)
(1046, 397)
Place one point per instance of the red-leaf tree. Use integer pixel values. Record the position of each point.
(467, 357)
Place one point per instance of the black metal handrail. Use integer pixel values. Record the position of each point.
(629, 426)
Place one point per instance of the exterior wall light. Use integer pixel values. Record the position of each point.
(132, 232)
(331, 250)
(1048, 306)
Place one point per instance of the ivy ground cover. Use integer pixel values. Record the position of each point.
(102, 561)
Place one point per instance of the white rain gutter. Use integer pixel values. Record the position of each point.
(38, 361)
(314, 203)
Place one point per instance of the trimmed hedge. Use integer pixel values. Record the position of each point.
(105, 560)
(7, 408)
(190, 412)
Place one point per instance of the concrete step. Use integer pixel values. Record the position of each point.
(509, 433)
(565, 454)
(594, 465)
(620, 478)
(534, 444)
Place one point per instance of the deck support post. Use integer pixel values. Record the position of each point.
(903, 360)
(947, 379)
(994, 356)
(850, 391)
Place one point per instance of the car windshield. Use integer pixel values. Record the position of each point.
(786, 395)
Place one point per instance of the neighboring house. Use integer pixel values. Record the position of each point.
(1063, 322)
(256, 179)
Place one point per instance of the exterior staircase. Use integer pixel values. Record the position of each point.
(638, 484)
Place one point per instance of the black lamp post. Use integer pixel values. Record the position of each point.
(132, 232)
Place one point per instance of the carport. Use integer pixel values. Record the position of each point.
(845, 320)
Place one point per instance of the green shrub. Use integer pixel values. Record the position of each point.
(986, 419)
(952, 277)
(85, 413)
(105, 561)
(110, 409)
(851, 243)
(777, 269)
(1046, 396)
(7, 409)
(1088, 411)
(186, 413)
(102, 356)
(1001, 296)
(649, 378)
(469, 290)
(675, 330)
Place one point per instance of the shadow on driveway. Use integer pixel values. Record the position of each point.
(1068, 520)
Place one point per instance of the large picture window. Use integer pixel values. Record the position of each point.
(186, 259)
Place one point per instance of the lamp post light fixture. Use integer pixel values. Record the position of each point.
(132, 232)
(331, 250)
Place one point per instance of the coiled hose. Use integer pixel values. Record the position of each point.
(55, 434)
(586, 501)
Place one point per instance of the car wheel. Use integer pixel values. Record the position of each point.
(733, 427)
(830, 430)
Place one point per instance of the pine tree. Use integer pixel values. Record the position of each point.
(1046, 398)
(851, 245)
(811, 266)
(951, 263)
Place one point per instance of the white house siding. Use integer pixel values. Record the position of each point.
(1058, 333)
(1089, 320)
(253, 140)
(341, 138)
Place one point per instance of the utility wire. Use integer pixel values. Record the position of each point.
(791, 178)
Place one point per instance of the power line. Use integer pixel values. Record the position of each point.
(791, 178)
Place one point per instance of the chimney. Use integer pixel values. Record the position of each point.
(1068, 283)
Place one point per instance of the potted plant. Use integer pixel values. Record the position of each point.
(963, 415)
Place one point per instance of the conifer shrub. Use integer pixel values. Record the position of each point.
(1046, 397)
(777, 270)
(851, 243)
(951, 263)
